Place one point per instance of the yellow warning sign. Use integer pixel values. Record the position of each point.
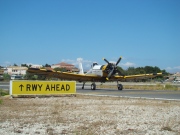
(42, 87)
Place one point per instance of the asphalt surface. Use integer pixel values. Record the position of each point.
(4, 85)
(150, 94)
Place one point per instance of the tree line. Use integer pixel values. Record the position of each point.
(142, 70)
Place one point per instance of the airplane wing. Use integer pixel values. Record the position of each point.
(139, 76)
(64, 75)
(86, 77)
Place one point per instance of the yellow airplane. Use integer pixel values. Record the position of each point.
(98, 73)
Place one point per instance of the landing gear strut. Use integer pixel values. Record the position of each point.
(83, 85)
(120, 86)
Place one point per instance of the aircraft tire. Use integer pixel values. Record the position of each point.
(93, 86)
(120, 87)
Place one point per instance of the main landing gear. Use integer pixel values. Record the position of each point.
(120, 86)
(93, 86)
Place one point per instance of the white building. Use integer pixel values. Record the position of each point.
(16, 70)
(176, 77)
(36, 66)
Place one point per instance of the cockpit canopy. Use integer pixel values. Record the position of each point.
(97, 67)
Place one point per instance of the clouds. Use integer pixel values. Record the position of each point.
(128, 64)
(6, 63)
(173, 69)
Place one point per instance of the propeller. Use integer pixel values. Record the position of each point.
(113, 68)
(118, 61)
(106, 60)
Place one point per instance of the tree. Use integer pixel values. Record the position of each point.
(123, 72)
(164, 72)
(131, 71)
(140, 70)
(60, 69)
(30, 76)
(24, 65)
(6, 76)
(47, 65)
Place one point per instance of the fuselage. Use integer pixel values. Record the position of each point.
(98, 70)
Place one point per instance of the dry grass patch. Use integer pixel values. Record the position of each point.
(143, 87)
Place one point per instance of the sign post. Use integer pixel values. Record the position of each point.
(42, 87)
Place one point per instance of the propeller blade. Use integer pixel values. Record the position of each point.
(118, 61)
(110, 74)
(106, 60)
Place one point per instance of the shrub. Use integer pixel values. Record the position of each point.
(3, 92)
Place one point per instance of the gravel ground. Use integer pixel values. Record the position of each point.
(88, 115)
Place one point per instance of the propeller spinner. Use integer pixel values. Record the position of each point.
(113, 68)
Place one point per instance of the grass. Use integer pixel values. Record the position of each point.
(3, 92)
(143, 87)
(170, 87)
(155, 87)
(1, 101)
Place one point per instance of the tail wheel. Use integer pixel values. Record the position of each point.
(120, 87)
(93, 86)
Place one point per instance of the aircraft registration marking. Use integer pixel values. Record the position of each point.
(42, 87)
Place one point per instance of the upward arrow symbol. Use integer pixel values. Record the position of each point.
(21, 86)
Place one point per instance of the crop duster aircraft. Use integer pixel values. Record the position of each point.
(98, 73)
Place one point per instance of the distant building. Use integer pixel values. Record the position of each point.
(176, 76)
(16, 70)
(36, 66)
(68, 67)
(1, 73)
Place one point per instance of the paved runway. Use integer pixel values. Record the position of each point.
(4, 85)
(150, 94)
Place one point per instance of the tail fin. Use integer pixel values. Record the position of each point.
(80, 65)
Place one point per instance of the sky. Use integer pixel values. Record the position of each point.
(143, 32)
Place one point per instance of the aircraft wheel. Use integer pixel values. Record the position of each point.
(93, 86)
(82, 87)
(120, 87)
